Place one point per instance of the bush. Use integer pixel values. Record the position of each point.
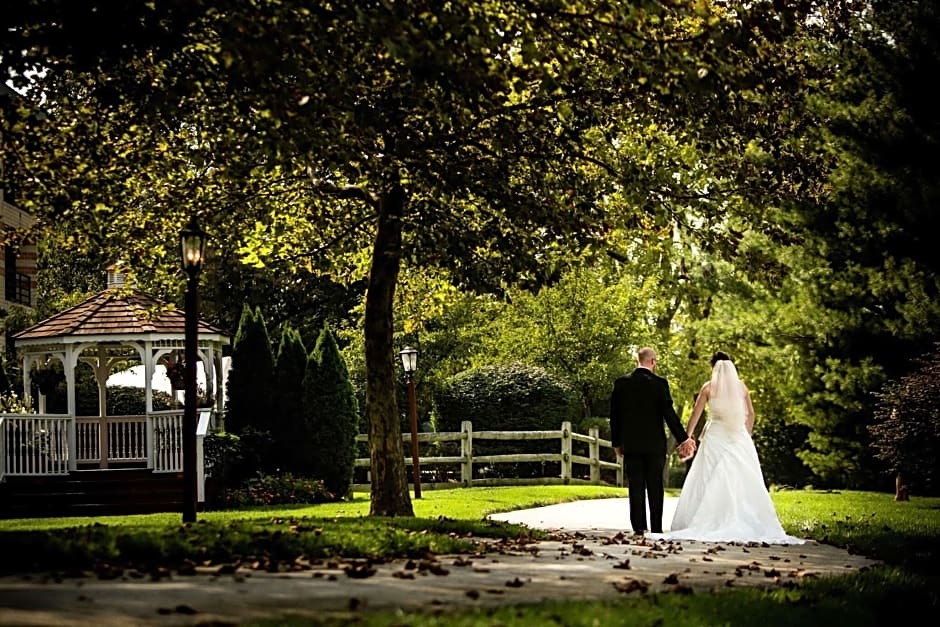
(283, 489)
(512, 397)
(288, 424)
(250, 379)
(332, 416)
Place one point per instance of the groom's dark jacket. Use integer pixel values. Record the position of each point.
(639, 404)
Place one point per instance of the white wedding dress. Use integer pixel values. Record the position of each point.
(724, 498)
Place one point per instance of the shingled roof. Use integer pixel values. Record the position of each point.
(117, 312)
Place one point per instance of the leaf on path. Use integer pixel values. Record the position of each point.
(515, 583)
(624, 565)
(672, 578)
(631, 585)
(359, 570)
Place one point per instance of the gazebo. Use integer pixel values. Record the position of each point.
(115, 326)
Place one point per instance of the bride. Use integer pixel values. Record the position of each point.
(724, 498)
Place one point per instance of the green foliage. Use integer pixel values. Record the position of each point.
(233, 460)
(250, 379)
(288, 422)
(11, 403)
(124, 400)
(5, 384)
(281, 489)
(332, 416)
(584, 328)
(906, 432)
(510, 397)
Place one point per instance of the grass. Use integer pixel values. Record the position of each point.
(906, 536)
(446, 522)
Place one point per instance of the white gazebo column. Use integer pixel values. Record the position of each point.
(70, 363)
(148, 362)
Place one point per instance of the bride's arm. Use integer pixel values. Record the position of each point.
(697, 410)
(749, 411)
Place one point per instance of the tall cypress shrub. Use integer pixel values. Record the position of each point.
(289, 433)
(332, 415)
(250, 378)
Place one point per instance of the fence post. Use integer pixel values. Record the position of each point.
(566, 452)
(595, 454)
(619, 472)
(466, 451)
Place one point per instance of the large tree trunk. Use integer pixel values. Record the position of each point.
(389, 483)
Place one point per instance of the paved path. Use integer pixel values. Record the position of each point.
(589, 557)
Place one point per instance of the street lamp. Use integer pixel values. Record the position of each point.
(192, 251)
(409, 359)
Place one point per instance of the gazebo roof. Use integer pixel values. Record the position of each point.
(122, 313)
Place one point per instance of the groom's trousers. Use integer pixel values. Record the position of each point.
(645, 479)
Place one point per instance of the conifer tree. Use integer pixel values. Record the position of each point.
(332, 416)
(288, 423)
(251, 375)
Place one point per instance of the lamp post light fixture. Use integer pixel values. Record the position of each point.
(409, 359)
(192, 252)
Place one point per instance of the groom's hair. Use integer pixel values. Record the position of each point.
(720, 356)
(645, 355)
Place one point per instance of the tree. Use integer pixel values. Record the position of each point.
(332, 416)
(291, 441)
(481, 137)
(250, 379)
(906, 429)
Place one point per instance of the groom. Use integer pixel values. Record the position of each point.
(639, 404)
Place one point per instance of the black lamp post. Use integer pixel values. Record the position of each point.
(192, 251)
(409, 359)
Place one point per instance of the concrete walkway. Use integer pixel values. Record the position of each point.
(589, 557)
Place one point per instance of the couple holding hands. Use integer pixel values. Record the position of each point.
(724, 498)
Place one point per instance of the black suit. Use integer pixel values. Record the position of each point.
(639, 404)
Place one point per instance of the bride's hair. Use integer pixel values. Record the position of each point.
(720, 356)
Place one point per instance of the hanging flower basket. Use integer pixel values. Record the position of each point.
(47, 379)
(176, 373)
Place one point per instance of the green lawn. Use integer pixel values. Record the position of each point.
(906, 536)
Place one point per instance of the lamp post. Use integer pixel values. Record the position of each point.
(409, 359)
(192, 251)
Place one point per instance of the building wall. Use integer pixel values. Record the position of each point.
(24, 256)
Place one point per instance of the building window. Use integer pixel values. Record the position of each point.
(18, 285)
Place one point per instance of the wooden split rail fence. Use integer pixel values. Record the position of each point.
(466, 460)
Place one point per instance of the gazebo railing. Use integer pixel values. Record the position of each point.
(44, 444)
(166, 432)
(123, 437)
(34, 444)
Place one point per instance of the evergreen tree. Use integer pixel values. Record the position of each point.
(250, 377)
(288, 422)
(332, 415)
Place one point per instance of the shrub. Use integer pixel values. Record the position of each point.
(511, 397)
(251, 375)
(231, 461)
(332, 416)
(288, 424)
(283, 489)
